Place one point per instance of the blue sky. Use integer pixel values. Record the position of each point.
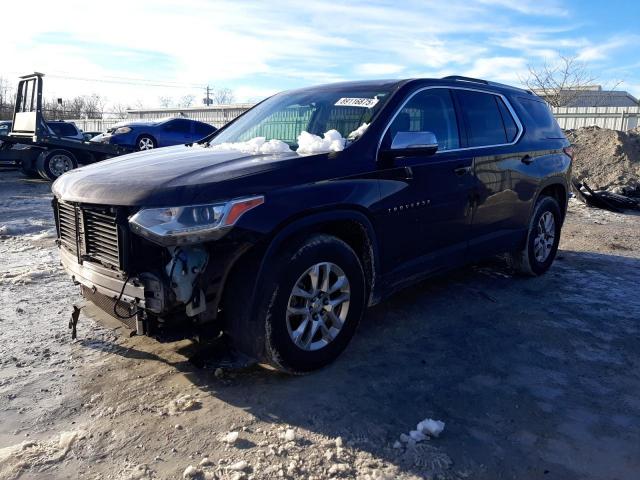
(134, 52)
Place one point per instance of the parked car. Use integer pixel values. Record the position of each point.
(89, 135)
(64, 129)
(153, 134)
(281, 228)
(5, 128)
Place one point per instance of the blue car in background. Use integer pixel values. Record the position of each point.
(146, 135)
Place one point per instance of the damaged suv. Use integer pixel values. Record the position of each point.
(279, 229)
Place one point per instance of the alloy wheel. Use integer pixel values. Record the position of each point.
(145, 143)
(318, 306)
(545, 237)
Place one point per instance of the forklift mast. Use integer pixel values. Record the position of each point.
(27, 115)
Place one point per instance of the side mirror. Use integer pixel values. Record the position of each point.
(414, 143)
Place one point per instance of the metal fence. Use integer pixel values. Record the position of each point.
(615, 118)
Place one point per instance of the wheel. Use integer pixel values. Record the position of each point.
(543, 238)
(145, 142)
(308, 306)
(26, 166)
(51, 165)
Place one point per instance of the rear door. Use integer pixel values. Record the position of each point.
(492, 130)
(425, 199)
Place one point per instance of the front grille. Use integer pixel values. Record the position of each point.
(91, 233)
(68, 227)
(102, 241)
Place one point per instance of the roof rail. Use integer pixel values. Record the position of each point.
(465, 79)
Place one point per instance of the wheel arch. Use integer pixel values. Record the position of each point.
(146, 134)
(555, 188)
(349, 225)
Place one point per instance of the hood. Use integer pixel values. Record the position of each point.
(169, 176)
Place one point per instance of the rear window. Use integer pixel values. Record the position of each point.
(485, 120)
(540, 117)
(63, 129)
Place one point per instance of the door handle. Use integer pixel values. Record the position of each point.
(462, 170)
(527, 159)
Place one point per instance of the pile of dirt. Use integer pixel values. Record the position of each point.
(607, 159)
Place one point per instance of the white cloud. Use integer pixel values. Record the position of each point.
(502, 69)
(257, 48)
(373, 69)
(530, 7)
(601, 51)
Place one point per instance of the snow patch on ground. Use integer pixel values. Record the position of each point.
(424, 430)
(27, 455)
(23, 226)
(181, 404)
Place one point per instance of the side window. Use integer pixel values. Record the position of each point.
(63, 129)
(203, 129)
(430, 110)
(510, 126)
(484, 120)
(4, 129)
(541, 117)
(178, 126)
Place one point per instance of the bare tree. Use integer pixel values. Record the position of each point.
(119, 110)
(187, 101)
(222, 96)
(165, 102)
(7, 99)
(561, 82)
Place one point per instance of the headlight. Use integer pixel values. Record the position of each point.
(121, 130)
(190, 224)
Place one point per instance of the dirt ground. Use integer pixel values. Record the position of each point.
(534, 378)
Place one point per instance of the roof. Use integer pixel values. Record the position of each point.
(597, 97)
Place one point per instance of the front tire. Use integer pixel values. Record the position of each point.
(543, 238)
(145, 142)
(308, 304)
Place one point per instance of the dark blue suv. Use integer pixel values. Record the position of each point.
(278, 230)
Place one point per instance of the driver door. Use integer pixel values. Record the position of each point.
(425, 209)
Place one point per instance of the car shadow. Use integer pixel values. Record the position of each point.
(530, 375)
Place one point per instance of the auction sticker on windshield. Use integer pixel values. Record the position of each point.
(357, 102)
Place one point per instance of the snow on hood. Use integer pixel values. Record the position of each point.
(357, 133)
(254, 146)
(308, 143)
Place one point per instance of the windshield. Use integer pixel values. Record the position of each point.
(304, 116)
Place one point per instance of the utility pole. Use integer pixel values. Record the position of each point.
(207, 101)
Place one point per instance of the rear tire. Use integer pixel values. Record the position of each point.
(543, 238)
(304, 324)
(51, 165)
(26, 167)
